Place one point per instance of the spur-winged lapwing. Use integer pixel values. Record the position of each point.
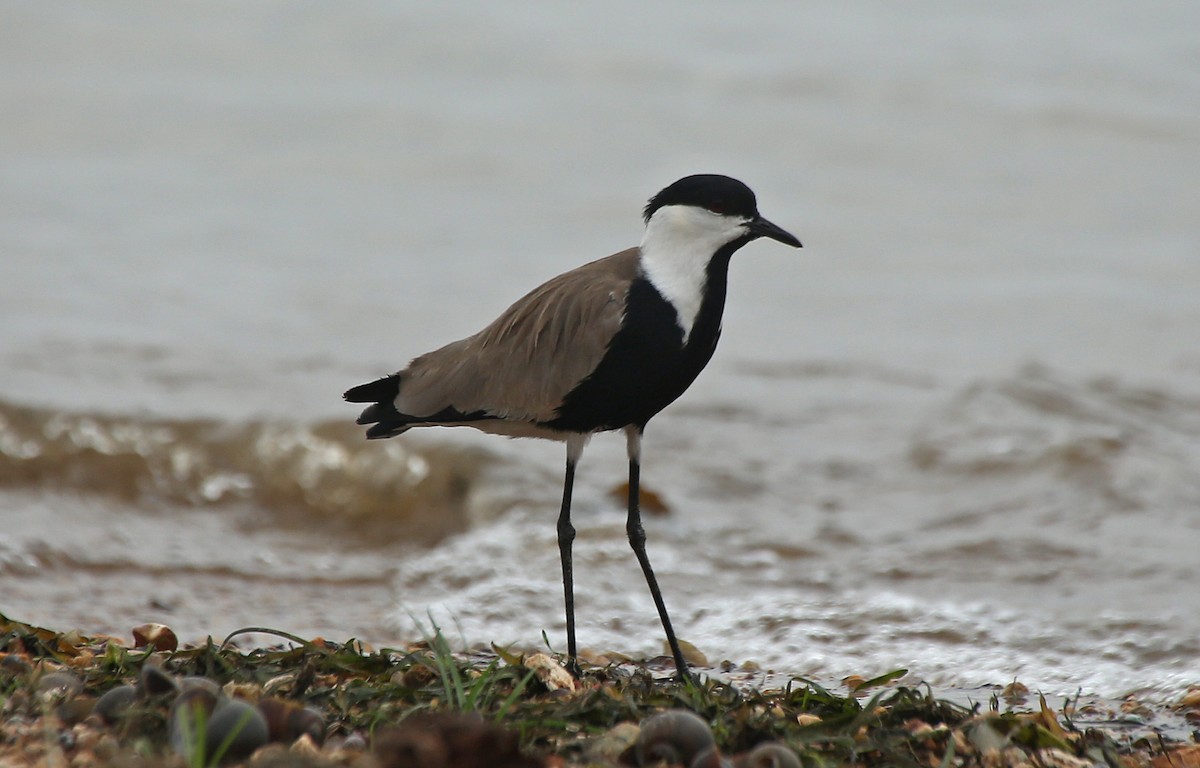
(605, 346)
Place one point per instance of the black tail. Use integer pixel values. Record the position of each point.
(382, 412)
(389, 422)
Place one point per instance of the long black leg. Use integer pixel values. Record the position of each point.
(566, 535)
(637, 540)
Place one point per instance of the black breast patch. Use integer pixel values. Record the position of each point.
(647, 365)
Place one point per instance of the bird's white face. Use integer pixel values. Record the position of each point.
(690, 227)
(676, 248)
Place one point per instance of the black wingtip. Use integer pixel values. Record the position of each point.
(379, 391)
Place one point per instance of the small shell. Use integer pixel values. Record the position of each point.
(286, 680)
(550, 673)
(1015, 692)
(160, 636)
(676, 736)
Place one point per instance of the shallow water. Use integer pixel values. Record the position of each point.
(959, 432)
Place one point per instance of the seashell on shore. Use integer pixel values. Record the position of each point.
(675, 736)
(160, 636)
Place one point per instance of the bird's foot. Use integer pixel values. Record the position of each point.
(689, 679)
(572, 665)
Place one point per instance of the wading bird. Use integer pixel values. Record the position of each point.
(603, 347)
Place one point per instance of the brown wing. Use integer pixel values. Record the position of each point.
(522, 365)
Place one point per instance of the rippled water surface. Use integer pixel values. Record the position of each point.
(959, 432)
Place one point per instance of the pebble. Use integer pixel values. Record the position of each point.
(76, 709)
(193, 708)
(106, 748)
(86, 738)
(235, 730)
(64, 684)
(287, 722)
(608, 747)
(1191, 699)
(115, 703)
(307, 723)
(305, 746)
(691, 654)
(355, 742)
(14, 665)
(152, 681)
(270, 755)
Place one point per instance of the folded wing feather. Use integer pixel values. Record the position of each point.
(522, 365)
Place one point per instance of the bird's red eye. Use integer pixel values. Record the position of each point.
(717, 207)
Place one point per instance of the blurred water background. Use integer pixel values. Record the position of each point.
(959, 432)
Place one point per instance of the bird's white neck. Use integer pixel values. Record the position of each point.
(678, 244)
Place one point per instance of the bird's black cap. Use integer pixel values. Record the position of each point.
(713, 192)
